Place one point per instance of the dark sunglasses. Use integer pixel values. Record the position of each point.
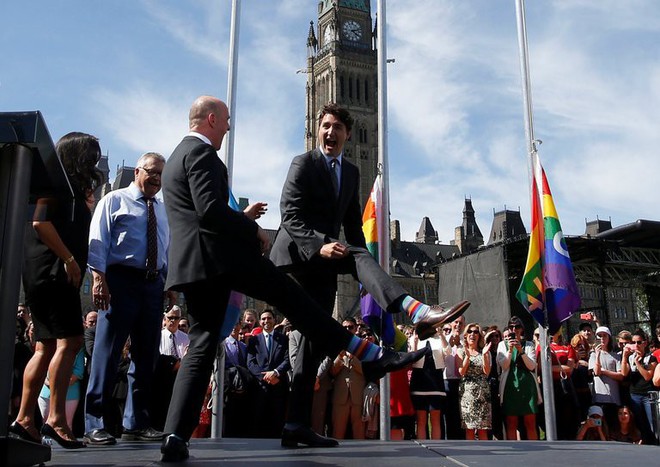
(446, 329)
(173, 318)
(515, 326)
(637, 342)
(472, 331)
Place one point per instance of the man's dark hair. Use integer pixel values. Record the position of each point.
(350, 319)
(342, 114)
(267, 310)
(640, 333)
(584, 326)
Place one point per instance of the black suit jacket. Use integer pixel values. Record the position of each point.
(311, 215)
(207, 237)
(259, 359)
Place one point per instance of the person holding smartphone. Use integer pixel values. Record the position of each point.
(594, 428)
(638, 365)
(519, 390)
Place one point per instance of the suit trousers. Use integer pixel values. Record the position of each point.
(207, 302)
(136, 310)
(319, 279)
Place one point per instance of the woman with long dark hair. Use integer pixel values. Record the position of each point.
(638, 365)
(55, 256)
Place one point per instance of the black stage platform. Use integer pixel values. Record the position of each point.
(267, 452)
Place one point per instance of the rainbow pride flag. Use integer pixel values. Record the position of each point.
(549, 280)
(235, 298)
(372, 314)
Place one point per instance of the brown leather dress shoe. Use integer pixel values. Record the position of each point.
(437, 316)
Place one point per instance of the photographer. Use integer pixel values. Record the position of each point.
(594, 428)
(640, 365)
(519, 391)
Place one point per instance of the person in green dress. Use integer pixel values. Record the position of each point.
(519, 391)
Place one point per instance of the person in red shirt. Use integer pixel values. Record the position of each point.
(564, 359)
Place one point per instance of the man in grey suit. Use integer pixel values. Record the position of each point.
(319, 198)
(216, 250)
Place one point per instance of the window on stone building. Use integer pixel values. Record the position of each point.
(350, 88)
(341, 86)
(357, 89)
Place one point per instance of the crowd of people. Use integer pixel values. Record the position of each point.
(498, 395)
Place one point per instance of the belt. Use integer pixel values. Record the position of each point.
(146, 274)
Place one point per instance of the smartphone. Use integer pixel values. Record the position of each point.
(586, 316)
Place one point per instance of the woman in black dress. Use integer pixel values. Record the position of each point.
(55, 256)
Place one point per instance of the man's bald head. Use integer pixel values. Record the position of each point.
(209, 116)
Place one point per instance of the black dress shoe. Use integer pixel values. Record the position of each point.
(307, 436)
(391, 361)
(426, 327)
(50, 432)
(18, 430)
(99, 437)
(174, 449)
(145, 434)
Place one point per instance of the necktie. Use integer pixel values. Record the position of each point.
(173, 350)
(268, 343)
(237, 353)
(333, 176)
(152, 237)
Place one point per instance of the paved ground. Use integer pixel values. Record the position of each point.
(249, 452)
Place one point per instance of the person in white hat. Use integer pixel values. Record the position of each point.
(594, 427)
(606, 367)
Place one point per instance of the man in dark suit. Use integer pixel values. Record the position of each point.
(219, 250)
(268, 361)
(319, 198)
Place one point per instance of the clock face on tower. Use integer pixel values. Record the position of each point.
(352, 30)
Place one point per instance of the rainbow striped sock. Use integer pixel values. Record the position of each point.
(415, 309)
(364, 350)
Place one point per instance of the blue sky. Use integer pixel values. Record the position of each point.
(127, 72)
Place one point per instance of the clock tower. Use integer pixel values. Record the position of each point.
(342, 68)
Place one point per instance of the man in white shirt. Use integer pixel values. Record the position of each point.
(173, 341)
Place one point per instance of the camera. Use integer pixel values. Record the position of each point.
(597, 421)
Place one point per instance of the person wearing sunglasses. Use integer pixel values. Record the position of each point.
(638, 365)
(519, 390)
(474, 390)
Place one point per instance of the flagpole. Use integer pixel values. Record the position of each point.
(384, 226)
(228, 158)
(546, 364)
(232, 74)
